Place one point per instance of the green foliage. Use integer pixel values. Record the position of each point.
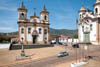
(75, 36)
(52, 37)
(63, 31)
(5, 38)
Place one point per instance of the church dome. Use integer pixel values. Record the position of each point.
(22, 8)
(44, 11)
(34, 18)
(82, 9)
(97, 3)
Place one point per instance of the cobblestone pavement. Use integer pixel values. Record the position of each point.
(50, 61)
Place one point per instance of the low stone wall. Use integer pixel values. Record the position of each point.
(16, 47)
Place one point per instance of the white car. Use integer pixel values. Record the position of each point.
(63, 53)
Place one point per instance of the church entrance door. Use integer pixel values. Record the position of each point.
(34, 39)
(87, 37)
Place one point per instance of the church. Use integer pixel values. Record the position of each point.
(34, 30)
(89, 25)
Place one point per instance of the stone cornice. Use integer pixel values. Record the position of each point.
(93, 19)
(96, 4)
(81, 11)
(22, 9)
(44, 12)
(21, 22)
(34, 17)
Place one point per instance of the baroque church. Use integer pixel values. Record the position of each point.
(89, 25)
(34, 30)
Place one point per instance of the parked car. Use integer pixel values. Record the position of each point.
(63, 53)
(75, 46)
(52, 42)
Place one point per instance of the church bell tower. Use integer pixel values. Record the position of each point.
(22, 13)
(44, 15)
(97, 8)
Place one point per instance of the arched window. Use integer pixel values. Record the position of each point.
(96, 10)
(29, 30)
(80, 16)
(45, 17)
(22, 15)
(34, 20)
(40, 30)
(82, 28)
(90, 26)
(45, 31)
(22, 30)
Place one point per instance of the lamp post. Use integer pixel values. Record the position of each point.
(22, 51)
(22, 56)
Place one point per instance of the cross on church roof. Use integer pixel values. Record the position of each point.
(34, 12)
(44, 8)
(22, 6)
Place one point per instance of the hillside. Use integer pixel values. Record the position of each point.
(52, 32)
(63, 31)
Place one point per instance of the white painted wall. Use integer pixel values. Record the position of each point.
(21, 35)
(40, 36)
(29, 36)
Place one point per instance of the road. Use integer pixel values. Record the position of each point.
(50, 61)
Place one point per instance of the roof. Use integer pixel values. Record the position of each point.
(22, 8)
(82, 9)
(44, 11)
(14, 38)
(63, 36)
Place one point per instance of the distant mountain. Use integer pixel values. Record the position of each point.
(63, 31)
(52, 32)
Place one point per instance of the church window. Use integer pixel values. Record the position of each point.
(82, 28)
(34, 20)
(45, 38)
(80, 16)
(87, 20)
(45, 31)
(22, 30)
(40, 30)
(96, 10)
(22, 16)
(29, 30)
(45, 17)
(90, 26)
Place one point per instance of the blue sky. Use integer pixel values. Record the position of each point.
(63, 13)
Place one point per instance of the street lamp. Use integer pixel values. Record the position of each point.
(22, 51)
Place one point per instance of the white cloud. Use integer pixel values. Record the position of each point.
(8, 8)
(8, 5)
(7, 29)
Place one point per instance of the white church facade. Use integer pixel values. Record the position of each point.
(34, 30)
(89, 25)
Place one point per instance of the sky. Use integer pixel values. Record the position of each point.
(63, 13)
